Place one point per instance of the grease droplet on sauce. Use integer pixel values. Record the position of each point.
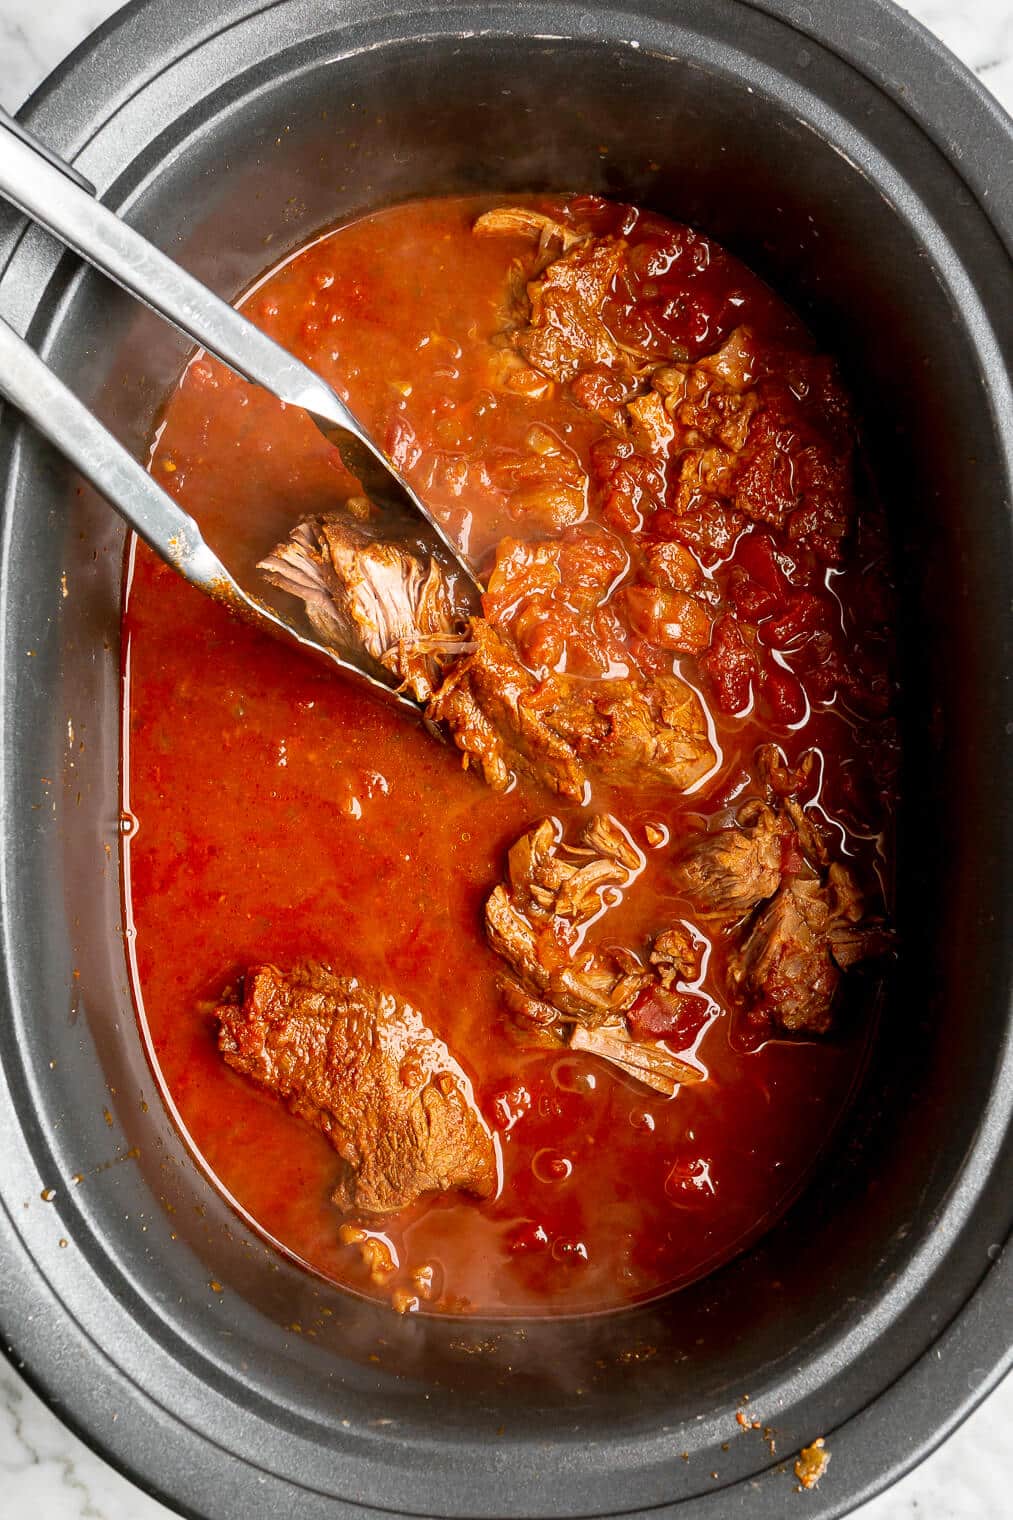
(571, 1077)
(549, 1166)
(569, 1252)
(529, 1237)
(690, 1182)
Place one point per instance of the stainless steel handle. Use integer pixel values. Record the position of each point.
(30, 385)
(57, 197)
(53, 194)
(33, 142)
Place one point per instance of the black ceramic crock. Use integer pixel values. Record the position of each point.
(845, 155)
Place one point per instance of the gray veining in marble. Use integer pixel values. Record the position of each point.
(45, 1472)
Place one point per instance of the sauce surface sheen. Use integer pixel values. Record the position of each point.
(282, 812)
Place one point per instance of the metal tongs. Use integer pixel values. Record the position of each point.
(54, 194)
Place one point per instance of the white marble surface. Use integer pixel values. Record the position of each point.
(46, 1472)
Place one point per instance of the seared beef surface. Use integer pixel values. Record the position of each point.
(563, 729)
(364, 1068)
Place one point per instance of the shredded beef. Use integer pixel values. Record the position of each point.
(727, 872)
(601, 999)
(808, 917)
(566, 333)
(365, 593)
(565, 730)
(786, 966)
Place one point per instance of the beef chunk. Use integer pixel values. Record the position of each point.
(557, 322)
(551, 599)
(604, 836)
(364, 1068)
(788, 966)
(668, 619)
(546, 490)
(785, 784)
(566, 332)
(533, 226)
(548, 879)
(652, 427)
(635, 729)
(364, 593)
(734, 437)
(591, 987)
(560, 606)
(552, 889)
(562, 989)
(565, 730)
(488, 702)
(677, 954)
(783, 780)
(727, 872)
(559, 326)
(808, 922)
(784, 966)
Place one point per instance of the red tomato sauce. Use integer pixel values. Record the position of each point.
(283, 812)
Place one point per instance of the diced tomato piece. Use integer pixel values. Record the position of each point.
(765, 486)
(631, 486)
(599, 393)
(805, 614)
(540, 636)
(752, 602)
(784, 694)
(675, 1017)
(710, 530)
(754, 552)
(757, 586)
(730, 664)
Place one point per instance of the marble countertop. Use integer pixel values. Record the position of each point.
(47, 1472)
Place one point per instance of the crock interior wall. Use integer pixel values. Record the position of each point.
(313, 149)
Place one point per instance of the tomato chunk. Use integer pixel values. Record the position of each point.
(731, 665)
(675, 1017)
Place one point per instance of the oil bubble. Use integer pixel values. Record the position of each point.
(569, 1252)
(549, 1166)
(572, 1077)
